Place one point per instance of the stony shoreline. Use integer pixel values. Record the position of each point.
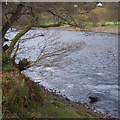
(85, 107)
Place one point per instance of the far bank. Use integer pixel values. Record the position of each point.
(113, 30)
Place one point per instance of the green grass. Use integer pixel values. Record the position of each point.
(7, 68)
(22, 98)
(108, 24)
(50, 23)
(8, 78)
(59, 110)
(7, 63)
(83, 114)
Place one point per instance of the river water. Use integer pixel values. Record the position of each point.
(93, 70)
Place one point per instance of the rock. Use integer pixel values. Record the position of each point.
(42, 35)
(6, 39)
(95, 111)
(5, 47)
(93, 99)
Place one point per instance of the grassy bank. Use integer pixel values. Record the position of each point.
(108, 27)
(22, 98)
(101, 27)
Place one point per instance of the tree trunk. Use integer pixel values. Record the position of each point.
(16, 38)
(15, 16)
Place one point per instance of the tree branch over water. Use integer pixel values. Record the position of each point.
(52, 51)
(15, 16)
(42, 15)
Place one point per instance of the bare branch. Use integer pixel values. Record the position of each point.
(15, 53)
(15, 16)
(53, 51)
(15, 39)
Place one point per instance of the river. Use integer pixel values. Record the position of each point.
(93, 70)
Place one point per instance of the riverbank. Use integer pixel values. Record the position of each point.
(85, 108)
(22, 98)
(113, 30)
(106, 30)
(26, 87)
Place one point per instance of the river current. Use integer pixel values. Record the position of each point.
(93, 70)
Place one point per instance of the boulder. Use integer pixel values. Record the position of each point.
(93, 99)
(5, 47)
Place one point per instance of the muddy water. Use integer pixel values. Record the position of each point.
(92, 72)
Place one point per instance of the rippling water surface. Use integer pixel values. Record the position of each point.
(93, 71)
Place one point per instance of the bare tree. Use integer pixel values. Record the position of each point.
(32, 11)
(49, 51)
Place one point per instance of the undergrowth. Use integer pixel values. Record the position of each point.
(7, 63)
(22, 98)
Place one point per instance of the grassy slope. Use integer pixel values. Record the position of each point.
(22, 98)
